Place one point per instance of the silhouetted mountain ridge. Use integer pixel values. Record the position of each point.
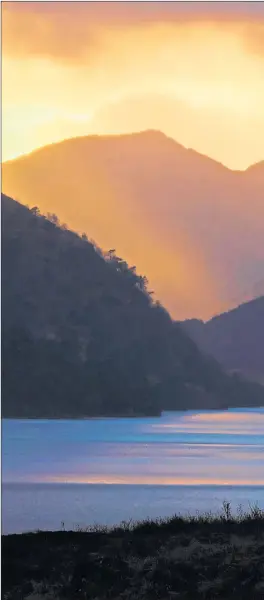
(235, 338)
(157, 203)
(82, 336)
(157, 138)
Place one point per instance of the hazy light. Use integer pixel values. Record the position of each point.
(63, 65)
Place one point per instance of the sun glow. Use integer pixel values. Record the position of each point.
(192, 71)
(199, 81)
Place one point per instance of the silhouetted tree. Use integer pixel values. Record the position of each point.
(80, 335)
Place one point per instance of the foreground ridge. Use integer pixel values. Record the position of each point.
(181, 557)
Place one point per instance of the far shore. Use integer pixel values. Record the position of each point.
(127, 416)
(84, 418)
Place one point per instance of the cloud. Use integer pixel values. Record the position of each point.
(73, 63)
(254, 38)
(71, 30)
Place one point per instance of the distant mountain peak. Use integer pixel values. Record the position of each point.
(257, 168)
(234, 338)
(146, 135)
(158, 203)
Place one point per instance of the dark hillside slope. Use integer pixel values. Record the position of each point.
(234, 338)
(194, 226)
(81, 335)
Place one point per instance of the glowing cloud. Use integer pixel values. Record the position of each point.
(67, 64)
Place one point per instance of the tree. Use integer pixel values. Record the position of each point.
(35, 211)
(53, 219)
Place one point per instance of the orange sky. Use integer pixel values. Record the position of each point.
(194, 71)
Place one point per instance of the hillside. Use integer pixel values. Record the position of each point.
(194, 226)
(235, 338)
(196, 557)
(82, 336)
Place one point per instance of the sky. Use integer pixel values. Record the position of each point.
(193, 70)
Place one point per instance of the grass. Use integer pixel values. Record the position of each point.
(201, 557)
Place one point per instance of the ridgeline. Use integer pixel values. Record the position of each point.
(81, 335)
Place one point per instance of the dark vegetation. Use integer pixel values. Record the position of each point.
(151, 188)
(81, 334)
(234, 338)
(196, 558)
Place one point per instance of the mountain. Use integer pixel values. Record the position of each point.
(81, 334)
(193, 225)
(235, 338)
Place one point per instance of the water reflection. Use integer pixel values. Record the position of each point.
(214, 423)
(212, 448)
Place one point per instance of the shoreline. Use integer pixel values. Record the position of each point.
(87, 418)
(136, 416)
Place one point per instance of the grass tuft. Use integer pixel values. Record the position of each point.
(197, 557)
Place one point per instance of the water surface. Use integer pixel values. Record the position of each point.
(58, 470)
